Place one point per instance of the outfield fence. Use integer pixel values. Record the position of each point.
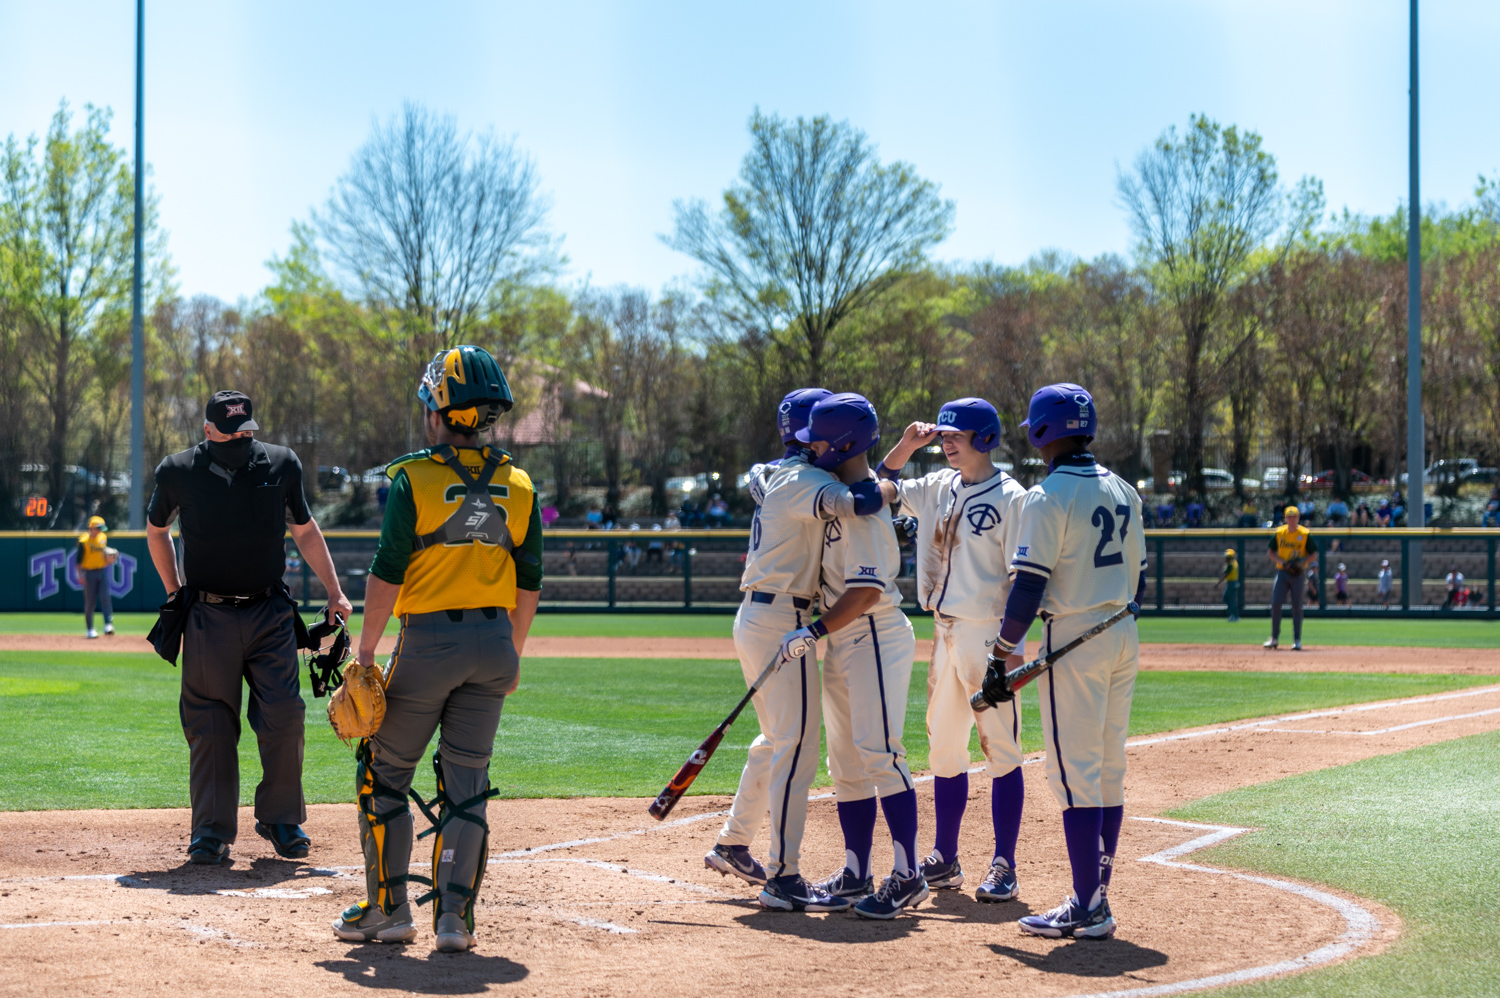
(698, 571)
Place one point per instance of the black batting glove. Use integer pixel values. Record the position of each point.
(906, 530)
(996, 687)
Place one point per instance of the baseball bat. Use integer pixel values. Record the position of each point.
(678, 785)
(1023, 674)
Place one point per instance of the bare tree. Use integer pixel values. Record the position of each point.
(815, 228)
(432, 223)
(1200, 206)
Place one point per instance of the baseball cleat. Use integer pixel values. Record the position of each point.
(999, 884)
(453, 935)
(93, 633)
(1070, 920)
(736, 861)
(895, 894)
(1296, 646)
(940, 875)
(795, 894)
(109, 629)
(207, 851)
(365, 923)
(845, 884)
(289, 841)
(1269, 643)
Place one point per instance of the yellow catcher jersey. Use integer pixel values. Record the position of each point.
(965, 541)
(1080, 529)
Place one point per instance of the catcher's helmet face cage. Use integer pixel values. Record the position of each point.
(791, 415)
(325, 669)
(846, 422)
(1057, 411)
(466, 387)
(971, 414)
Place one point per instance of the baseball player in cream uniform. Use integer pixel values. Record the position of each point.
(1080, 557)
(966, 518)
(779, 581)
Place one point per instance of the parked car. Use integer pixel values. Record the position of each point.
(1324, 479)
(333, 479)
(1448, 470)
(1275, 479)
(1214, 479)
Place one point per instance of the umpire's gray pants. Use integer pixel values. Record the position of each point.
(222, 649)
(1287, 586)
(449, 675)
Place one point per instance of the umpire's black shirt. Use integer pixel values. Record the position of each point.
(233, 523)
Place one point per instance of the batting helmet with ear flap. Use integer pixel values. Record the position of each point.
(847, 422)
(971, 414)
(791, 415)
(1057, 411)
(467, 387)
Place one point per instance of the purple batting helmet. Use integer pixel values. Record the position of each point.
(847, 422)
(1057, 411)
(971, 414)
(791, 415)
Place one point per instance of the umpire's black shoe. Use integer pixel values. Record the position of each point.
(207, 851)
(289, 841)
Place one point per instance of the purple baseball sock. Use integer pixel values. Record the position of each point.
(857, 819)
(1082, 826)
(1109, 839)
(1007, 795)
(950, 795)
(901, 819)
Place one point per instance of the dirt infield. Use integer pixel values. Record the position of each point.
(589, 897)
(1461, 661)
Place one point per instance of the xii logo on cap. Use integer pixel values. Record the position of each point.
(237, 409)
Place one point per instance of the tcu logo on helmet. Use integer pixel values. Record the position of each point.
(947, 416)
(237, 409)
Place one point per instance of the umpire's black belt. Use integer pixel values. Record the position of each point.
(237, 601)
(800, 602)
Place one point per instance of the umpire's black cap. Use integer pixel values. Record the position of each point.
(230, 412)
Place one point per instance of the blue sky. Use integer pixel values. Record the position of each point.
(1021, 111)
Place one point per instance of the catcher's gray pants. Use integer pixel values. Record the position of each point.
(222, 649)
(96, 593)
(449, 675)
(1287, 586)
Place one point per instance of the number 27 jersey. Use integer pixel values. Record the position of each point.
(1080, 529)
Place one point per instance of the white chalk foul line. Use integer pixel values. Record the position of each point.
(51, 925)
(1360, 924)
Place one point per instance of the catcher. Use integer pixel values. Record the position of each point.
(460, 561)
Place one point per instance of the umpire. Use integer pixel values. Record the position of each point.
(236, 498)
(460, 561)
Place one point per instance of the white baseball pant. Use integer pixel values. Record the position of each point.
(866, 678)
(960, 656)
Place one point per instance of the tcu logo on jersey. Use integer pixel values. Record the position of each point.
(983, 517)
(832, 533)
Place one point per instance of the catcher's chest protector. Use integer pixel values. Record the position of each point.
(476, 519)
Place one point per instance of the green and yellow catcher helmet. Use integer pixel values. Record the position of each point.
(467, 387)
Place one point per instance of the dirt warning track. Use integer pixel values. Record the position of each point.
(589, 897)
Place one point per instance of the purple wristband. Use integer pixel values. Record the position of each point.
(818, 629)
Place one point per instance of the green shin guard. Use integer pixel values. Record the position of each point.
(385, 836)
(460, 846)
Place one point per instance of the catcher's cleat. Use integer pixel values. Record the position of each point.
(736, 861)
(289, 841)
(207, 851)
(845, 884)
(1071, 920)
(1269, 643)
(365, 923)
(895, 895)
(453, 935)
(999, 884)
(941, 875)
(795, 894)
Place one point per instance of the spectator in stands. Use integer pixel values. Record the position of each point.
(675, 551)
(1455, 583)
(549, 515)
(1307, 511)
(1230, 576)
(1341, 586)
(1338, 513)
(1248, 517)
(671, 522)
(382, 493)
(1491, 517)
(1383, 514)
(718, 512)
(1194, 516)
(631, 556)
(1164, 512)
(1383, 584)
(655, 549)
(594, 518)
(1362, 517)
(570, 559)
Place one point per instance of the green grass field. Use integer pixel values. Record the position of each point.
(1447, 632)
(1414, 831)
(102, 730)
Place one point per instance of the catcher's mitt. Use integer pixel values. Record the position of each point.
(357, 707)
(1293, 566)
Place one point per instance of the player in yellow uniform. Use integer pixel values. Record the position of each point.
(1292, 552)
(1231, 579)
(93, 571)
(460, 561)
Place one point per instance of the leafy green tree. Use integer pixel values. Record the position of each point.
(815, 229)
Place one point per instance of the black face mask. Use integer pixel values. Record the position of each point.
(232, 454)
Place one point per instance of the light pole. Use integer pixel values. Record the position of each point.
(137, 328)
(1416, 436)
